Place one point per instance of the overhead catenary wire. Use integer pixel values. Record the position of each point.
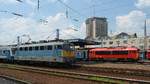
(93, 6)
(52, 33)
(14, 13)
(19, 1)
(17, 14)
(75, 11)
(61, 31)
(38, 5)
(67, 14)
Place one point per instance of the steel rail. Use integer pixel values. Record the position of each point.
(14, 79)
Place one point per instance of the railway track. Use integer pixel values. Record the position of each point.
(122, 69)
(75, 75)
(142, 62)
(14, 80)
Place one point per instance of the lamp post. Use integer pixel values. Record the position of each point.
(118, 43)
(101, 41)
(145, 40)
(145, 36)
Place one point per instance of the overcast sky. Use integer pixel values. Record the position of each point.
(69, 16)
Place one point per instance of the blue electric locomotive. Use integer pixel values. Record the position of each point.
(45, 52)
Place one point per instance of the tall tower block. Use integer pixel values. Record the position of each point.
(96, 28)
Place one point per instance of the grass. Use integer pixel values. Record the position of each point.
(107, 80)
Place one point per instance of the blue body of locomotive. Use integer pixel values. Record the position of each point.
(48, 52)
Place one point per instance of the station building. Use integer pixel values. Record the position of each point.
(124, 39)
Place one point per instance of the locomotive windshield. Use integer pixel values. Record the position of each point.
(66, 46)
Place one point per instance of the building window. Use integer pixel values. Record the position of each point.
(125, 41)
(118, 43)
(111, 42)
(100, 43)
(141, 47)
(104, 43)
(141, 40)
(132, 41)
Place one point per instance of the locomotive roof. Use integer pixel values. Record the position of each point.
(43, 44)
(33, 44)
(116, 48)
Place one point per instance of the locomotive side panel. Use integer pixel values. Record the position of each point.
(114, 53)
(148, 54)
(45, 52)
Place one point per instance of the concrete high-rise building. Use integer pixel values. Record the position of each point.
(96, 28)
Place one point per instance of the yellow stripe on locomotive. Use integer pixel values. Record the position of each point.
(68, 54)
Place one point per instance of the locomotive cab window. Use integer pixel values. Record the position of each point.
(59, 46)
(66, 46)
(6, 52)
(14, 51)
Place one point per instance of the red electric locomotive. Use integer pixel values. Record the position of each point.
(148, 54)
(119, 53)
